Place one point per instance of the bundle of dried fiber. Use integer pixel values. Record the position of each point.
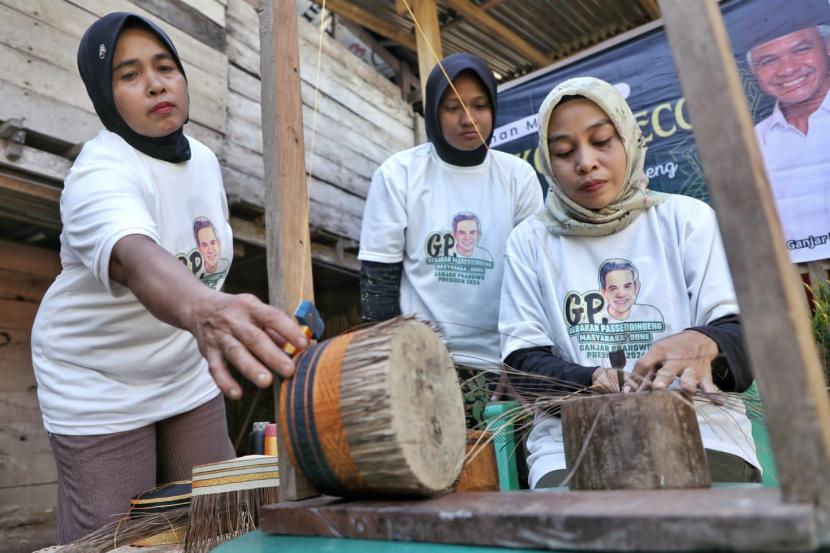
(376, 412)
(156, 517)
(226, 499)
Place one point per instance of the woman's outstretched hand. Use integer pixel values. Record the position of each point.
(688, 356)
(247, 333)
(228, 328)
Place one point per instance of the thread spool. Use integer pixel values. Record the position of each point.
(270, 439)
(378, 411)
(256, 440)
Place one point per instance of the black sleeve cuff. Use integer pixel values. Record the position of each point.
(730, 370)
(545, 373)
(380, 290)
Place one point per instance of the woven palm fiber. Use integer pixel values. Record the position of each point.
(480, 472)
(643, 441)
(156, 517)
(226, 499)
(376, 412)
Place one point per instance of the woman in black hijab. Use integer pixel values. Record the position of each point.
(437, 219)
(130, 342)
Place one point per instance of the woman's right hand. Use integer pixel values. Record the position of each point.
(227, 327)
(606, 381)
(250, 334)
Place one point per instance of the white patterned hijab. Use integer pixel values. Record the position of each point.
(562, 215)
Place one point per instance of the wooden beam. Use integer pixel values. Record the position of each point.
(371, 21)
(776, 321)
(651, 8)
(499, 31)
(736, 519)
(427, 37)
(288, 244)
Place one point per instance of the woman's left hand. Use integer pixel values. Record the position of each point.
(688, 356)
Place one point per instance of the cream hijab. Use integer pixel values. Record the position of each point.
(563, 215)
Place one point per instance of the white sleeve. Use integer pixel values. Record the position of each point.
(708, 281)
(528, 198)
(102, 203)
(383, 230)
(522, 319)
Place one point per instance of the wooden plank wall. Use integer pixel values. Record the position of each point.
(361, 120)
(40, 82)
(28, 480)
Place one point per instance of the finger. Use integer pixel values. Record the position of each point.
(688, 380)
(275, 337)
(222, 376)
(263, 347)
(245, 362)
(278, 322)
(665, 375)
(712, 392)
(632, 383)
(646, 382)
(603, 383)
(649, 362)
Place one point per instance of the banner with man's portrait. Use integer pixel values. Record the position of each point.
(781, 47)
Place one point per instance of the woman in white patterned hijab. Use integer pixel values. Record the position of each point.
(564, 214)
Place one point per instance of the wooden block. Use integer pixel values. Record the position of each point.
(641, 441)
(738, 519)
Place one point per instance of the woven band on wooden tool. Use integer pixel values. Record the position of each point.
(376, 412)
(175, 495)
(226, 499)
(245, 473)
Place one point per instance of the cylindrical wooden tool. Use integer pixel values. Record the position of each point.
(376, 412)
(640, 441)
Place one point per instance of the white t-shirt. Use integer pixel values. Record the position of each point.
(798, 166)
(451, 272)
(552, 296)
(103, 363)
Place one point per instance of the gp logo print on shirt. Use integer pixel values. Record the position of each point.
(456, 256)
(601, 321)
(205, 260)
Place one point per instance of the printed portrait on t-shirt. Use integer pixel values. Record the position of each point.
(603, 320)
(206, 261)
(455, 255)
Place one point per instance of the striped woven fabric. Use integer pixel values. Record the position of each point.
(245, 473)
(170, 496)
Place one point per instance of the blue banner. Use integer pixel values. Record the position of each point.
(780, 69)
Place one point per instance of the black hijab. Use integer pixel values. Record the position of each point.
(95, 65)
(437, 85)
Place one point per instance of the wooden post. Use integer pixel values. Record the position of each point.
(428, 41)
(288, 245)
(775, 319)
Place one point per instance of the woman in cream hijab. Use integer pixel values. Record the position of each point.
(609, 265)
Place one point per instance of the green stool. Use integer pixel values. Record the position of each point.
(769, 473)
(496, 415)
